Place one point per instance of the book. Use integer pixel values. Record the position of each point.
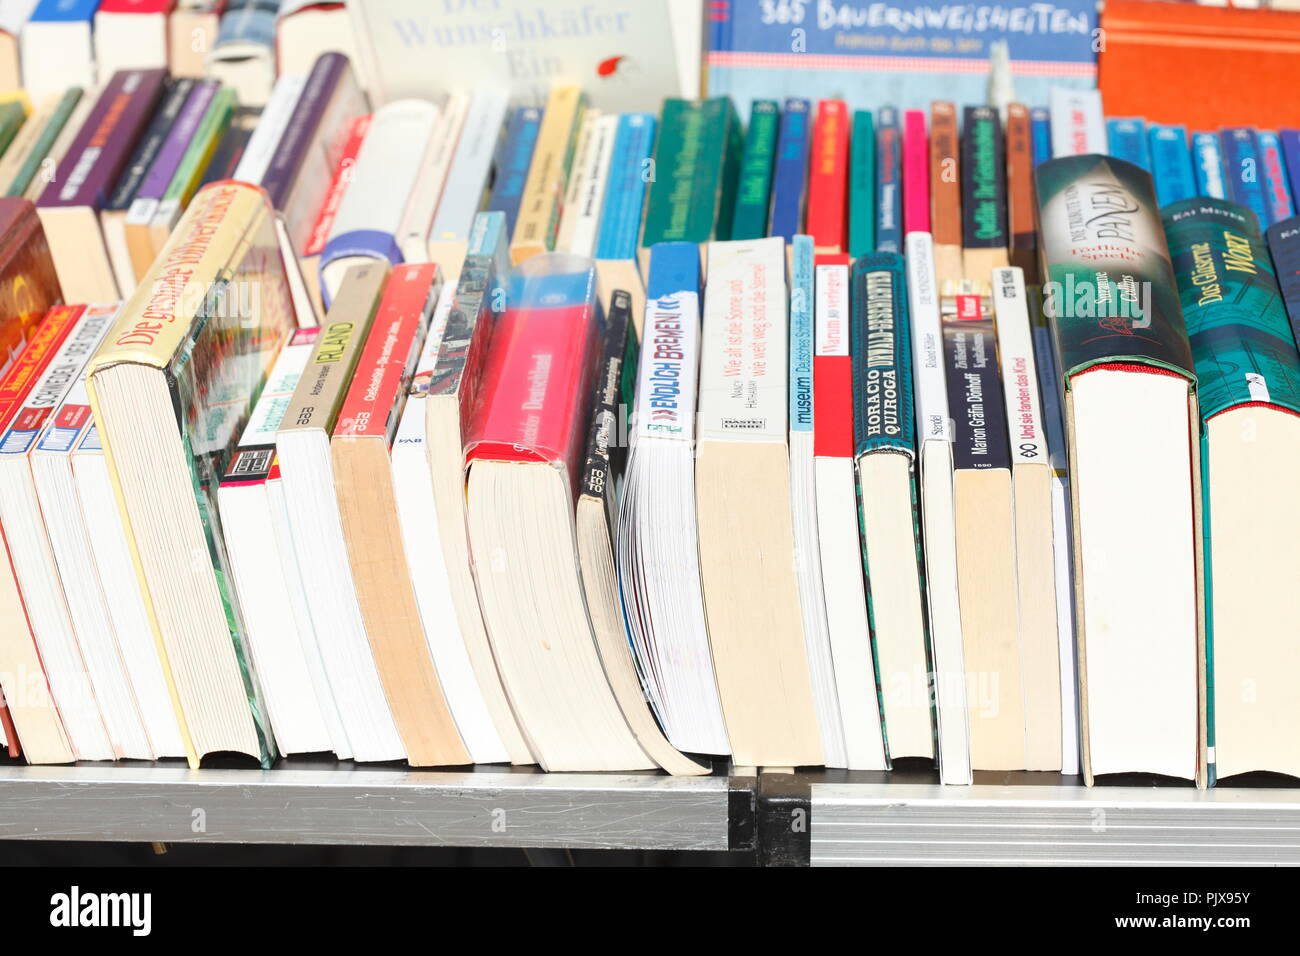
(696, 162)
(1040, 119)
(803, 508)
(1078, 125)
(585, 191)
(1022, 224)
(983, 195)
(1126, 139)
(310, 493)
(945, 192)
(916, 173)
(131, 34)
(270, 128)
(344, 173)
(1130, 410)
(754, 190)
(113, 217)
(1170, 163)
(191, 32)
(29, 285)
(597, 520)
(371, 209)
(14, 15)
(828, 206)
(179, 372)
(522, 454)
(304, 29)
(13, 114)
(741, 468)
(467, 183)
(85, 678)
(658, 564)
(790, 171)
(884, 450)
(230, 149)
(852, 664)
(1035, 531)
(548, 174)
(1248, 392)
(897, 53)
(242, 55)
(1272, 171)
(300, 704)
(453, 393)
(862, 185)
(512, 161)
(57, 47)
(1242, 172)
(431, 183)
(23, 159)
(620, 220)
(361, 452)
(47, 167)
(889, 160)
(69, 205)
(1210, 179)
(1290, 141)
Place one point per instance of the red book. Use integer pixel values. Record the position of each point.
(916, 173)
(828, 177)
(536, 386)
(832, 365)
(338, 186)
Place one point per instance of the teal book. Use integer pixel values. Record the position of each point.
(753, 194)
(1248, 380)
(862, 185)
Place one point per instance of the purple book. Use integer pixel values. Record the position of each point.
(328, 74)
(178, 139)
(104, 144)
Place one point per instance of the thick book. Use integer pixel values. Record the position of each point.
(1131, 412)
(1248, 390)
(853, 661)
(742, 469)
(523, 452)
(548, 174)
(885, 453)
(1242, 174)
(658, 541)
(620, 220)
(790, 172)
(361, 452)
(889, 180)
(754, 191)
(828, 207)
(180, 371)
(69, 205)
(510, 165)
(862, 185)
(29, 284)
(316, 526)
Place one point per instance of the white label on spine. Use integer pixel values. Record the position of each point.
(832, 310)
(1019, 374)
(928, 382)
(670, 359)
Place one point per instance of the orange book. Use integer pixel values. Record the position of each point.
(1203, 67)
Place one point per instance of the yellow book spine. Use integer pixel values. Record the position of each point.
(548, 173)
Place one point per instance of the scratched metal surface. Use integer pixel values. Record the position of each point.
(342, 805)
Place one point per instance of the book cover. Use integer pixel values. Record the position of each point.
(513, 158)
(29, 286)
(753, 194)
(1277, 189)
(1242, 171)
(889, 180)
(862, 184)
(828, 177)
(1127, 140)
(790, 176)
(1210, 181)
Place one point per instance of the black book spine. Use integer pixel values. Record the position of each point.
(147, 150)
(605, 454)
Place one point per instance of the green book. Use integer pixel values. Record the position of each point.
(696, 165)
(753, 195)
(12, 116)
(186, 179)
(862, 185)
(58, 119)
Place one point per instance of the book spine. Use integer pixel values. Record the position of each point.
(802, 408)
(178, 94)
(540, 206)
(862, 185)
(1284, 248)
(1210, 180)
(881, 352)
(30, 365)
(467, 179)
(889, 159)
(1171, 164)
(1277, 191)
(1242, 343)
(325, 78)
(832, 362)
(58, 119)
(713, 193)
(254, 459)
(230, 150)
(512, 163)
(667, 380)
(581, 174)
(975, 402)
(620, 221)
(1108, 281)
(320, 231)
(945, 175)
(1028, 443)
(928, 378)
(827, 177)
(1021, 221)
(754, 194)
(271, 124)
(984, 188)
(1041, 121)
(916, 173)
(1290, 139)
(603, 461)
(178, 140)
(1241, 163)
(1127, 140)
(1078, 126)
(790, 177)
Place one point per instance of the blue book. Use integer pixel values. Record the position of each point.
(1127, 139)
(1208, 157)
(1277, 190)
(64, 11)
(1291, 156)
(620, 220)
(790, 174)
(1171, 163)
(801, 334)
(1241, 168)
(513, 158)
(889, 181)
(1040, 123)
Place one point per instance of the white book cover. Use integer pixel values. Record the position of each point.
(270, 127)
(1078, 124)
(583, 202)
(435, 164)
(471, 168)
